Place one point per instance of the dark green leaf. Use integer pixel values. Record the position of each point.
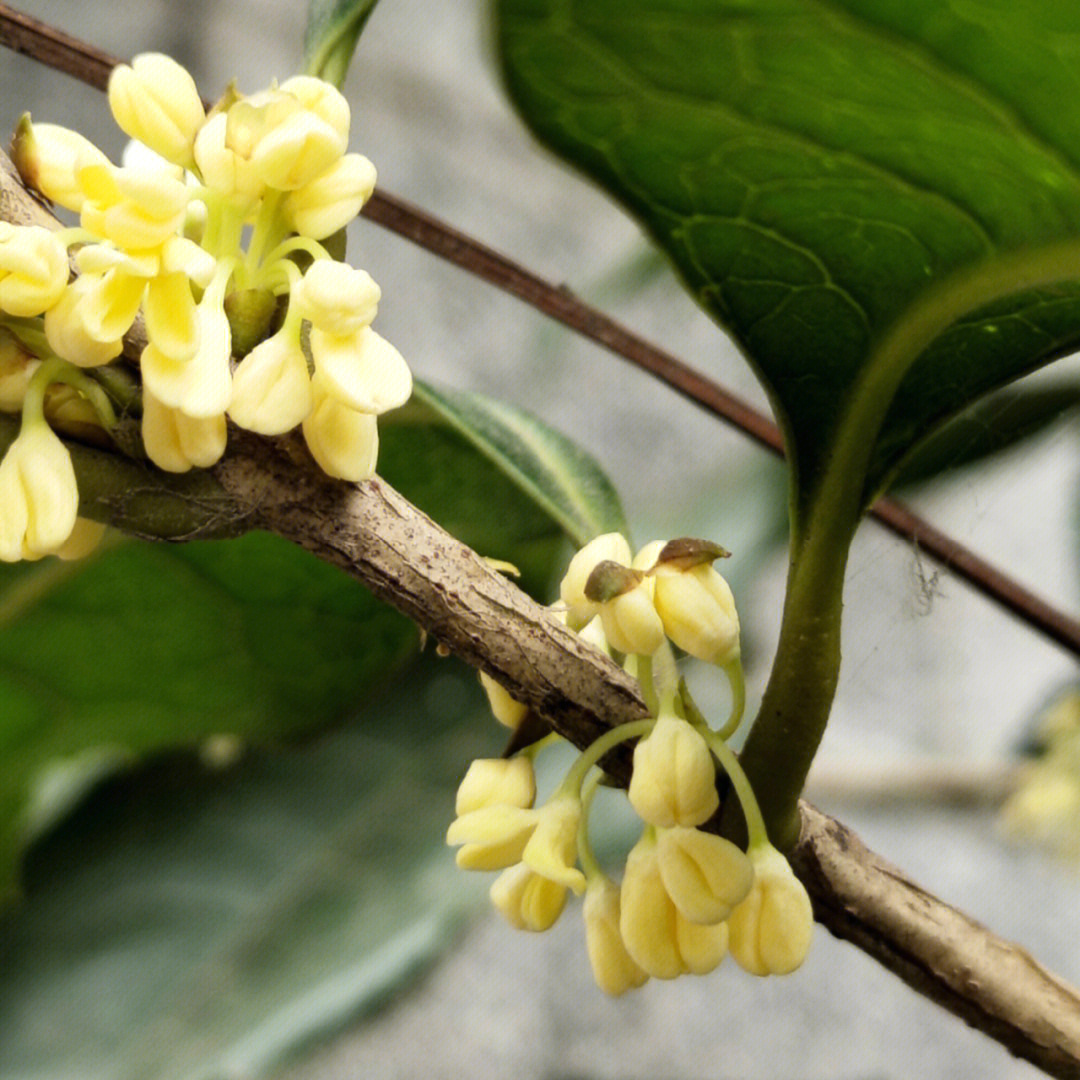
(815, 168)
(987, 428)
(187, 925)
(146, 647)
(330, 37)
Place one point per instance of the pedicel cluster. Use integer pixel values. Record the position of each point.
(212, 231)
(687, 896)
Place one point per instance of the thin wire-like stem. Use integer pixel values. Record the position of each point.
(62, 52)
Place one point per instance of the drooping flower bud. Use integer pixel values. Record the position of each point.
(706, 876)
(613, 968)
(695, 603)
(491, 837)
(177, 442)
(85, 538)
(674, 777)
(33, 269)
(39, 498)
(610, 547)
(493, 781)
(156, 101)
(552, 848)
(271, 388)
(770, 931)
(526, 899)
(343, 441)
(648, 916)
(329, 202)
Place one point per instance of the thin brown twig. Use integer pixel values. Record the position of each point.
(31, 37)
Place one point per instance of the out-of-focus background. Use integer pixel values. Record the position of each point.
(937, 684)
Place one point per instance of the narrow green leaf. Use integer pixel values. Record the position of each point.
(193, 924)
(560, 477)
(815, 168)
(330, 37)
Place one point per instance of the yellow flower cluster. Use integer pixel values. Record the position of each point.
(687, 896)
(211, 231)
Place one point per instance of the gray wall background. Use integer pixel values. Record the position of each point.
(931, 674)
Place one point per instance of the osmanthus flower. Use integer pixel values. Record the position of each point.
(526, 899)
(614, 969)
(203, 232)
(772, 928)
(674, 777)
(600, 581)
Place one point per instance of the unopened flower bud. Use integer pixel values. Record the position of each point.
(48, 157)
(613, 968)
(33, 269)
(336, 298)
(491, 837)
(507, 710)
(156, 101)
(674, 778)
(610, 547)
(552, 848)
(648, 917)
(770, 931)
(698, 612)
(491, 781)
(701, 947)
(38, 495)
(223, 169)
(177, 442)
(271, 388)
(294, 148)
(343, 441)
(527, 900)
(329, 202)
(706, 876)
(323, 99)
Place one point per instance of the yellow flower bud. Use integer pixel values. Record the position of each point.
(271, 388)
(223, 169)
(526, 899)
(631, 623)
(149, 209)
(343, 441)
(706, 876)
(323, 99)
(506, 709)
(177, 442)
(295, 149)
(363, 370)
(552, 848)
(155, 100)
(67, 331)
(336, 298)
(698, 612)
(674, 778)
(491, 837)
(329, 202)
(49, 157)
(33, 269)
(701, 947)
(493, 781)
(770, 931)
(648, 917)
(613, 968)
(611, 547)
(39, 497)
